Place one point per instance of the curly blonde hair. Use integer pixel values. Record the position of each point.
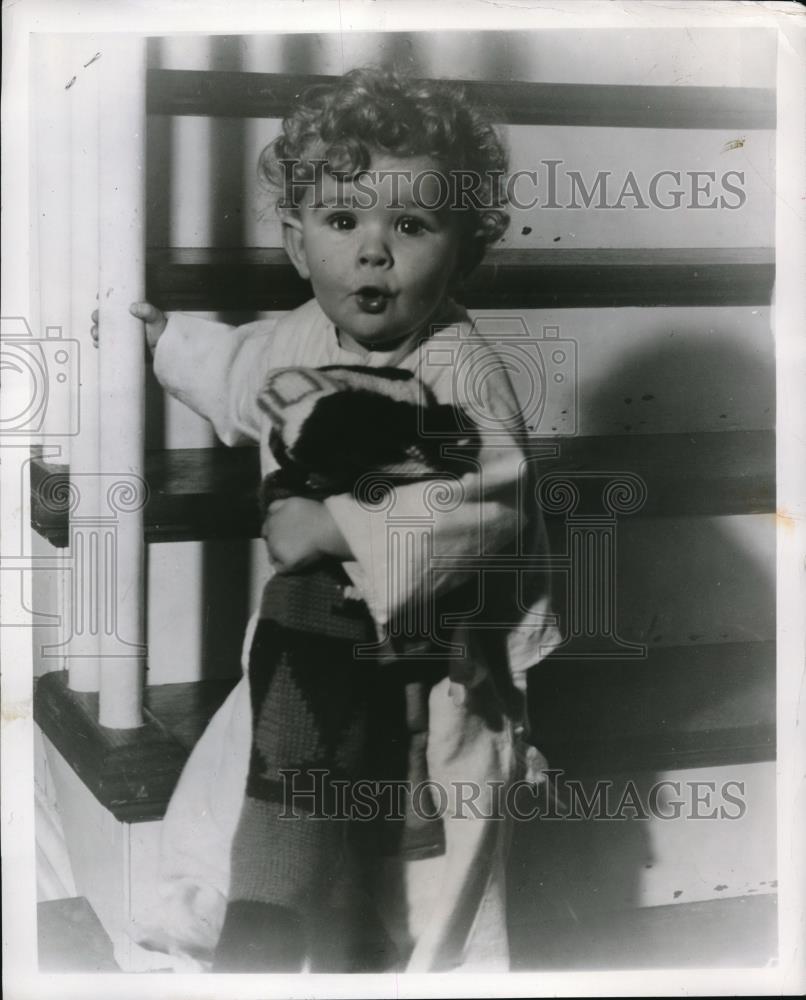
(339, 125)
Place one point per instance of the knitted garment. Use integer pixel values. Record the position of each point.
(292, 849)
(323, 718)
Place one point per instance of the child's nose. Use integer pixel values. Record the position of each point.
(373, 258)
(374, 252)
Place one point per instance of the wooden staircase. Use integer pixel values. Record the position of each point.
(210, 493)
(681, 706)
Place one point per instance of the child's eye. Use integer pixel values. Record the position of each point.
(341, 223)
(410, 226)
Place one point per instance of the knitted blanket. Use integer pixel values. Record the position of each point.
(324, 719)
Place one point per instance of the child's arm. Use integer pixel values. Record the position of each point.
(472, 516)
(299, 532)
(217, 370)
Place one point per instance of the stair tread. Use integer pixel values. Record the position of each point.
(184, 708)
(212, 492)
(204, 278)
(681, 707)
(132, 772)
(739, 931)
(269, 95)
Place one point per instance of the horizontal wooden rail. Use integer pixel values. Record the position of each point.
(212, 492)
(193, 494)
(270, 95)
(688, 706)
(204, 279)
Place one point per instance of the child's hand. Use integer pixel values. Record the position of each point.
(299, 532)
(154, 319)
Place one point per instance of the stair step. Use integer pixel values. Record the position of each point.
(70, 938)
(132, 772)
(728, 933)
(212, 492)
(234, 94)
(193, 493)
(688, 706)
(681, 707)
(207, 279)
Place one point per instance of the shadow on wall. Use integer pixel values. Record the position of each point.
(681, 582)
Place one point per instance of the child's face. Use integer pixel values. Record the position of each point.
(378, 272)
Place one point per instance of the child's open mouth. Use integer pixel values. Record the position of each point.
(372, 299)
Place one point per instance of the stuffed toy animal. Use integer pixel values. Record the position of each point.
(320, 715)
(335, 424)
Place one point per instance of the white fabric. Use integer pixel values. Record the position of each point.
(218, 372)
(453, 913)
(458, 901)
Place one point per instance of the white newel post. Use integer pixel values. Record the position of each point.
(52, 66)
(51, 298)
(121, 189)
(85, 520)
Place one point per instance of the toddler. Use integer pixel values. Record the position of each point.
(389, 193)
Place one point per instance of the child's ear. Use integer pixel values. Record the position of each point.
(293, 241)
